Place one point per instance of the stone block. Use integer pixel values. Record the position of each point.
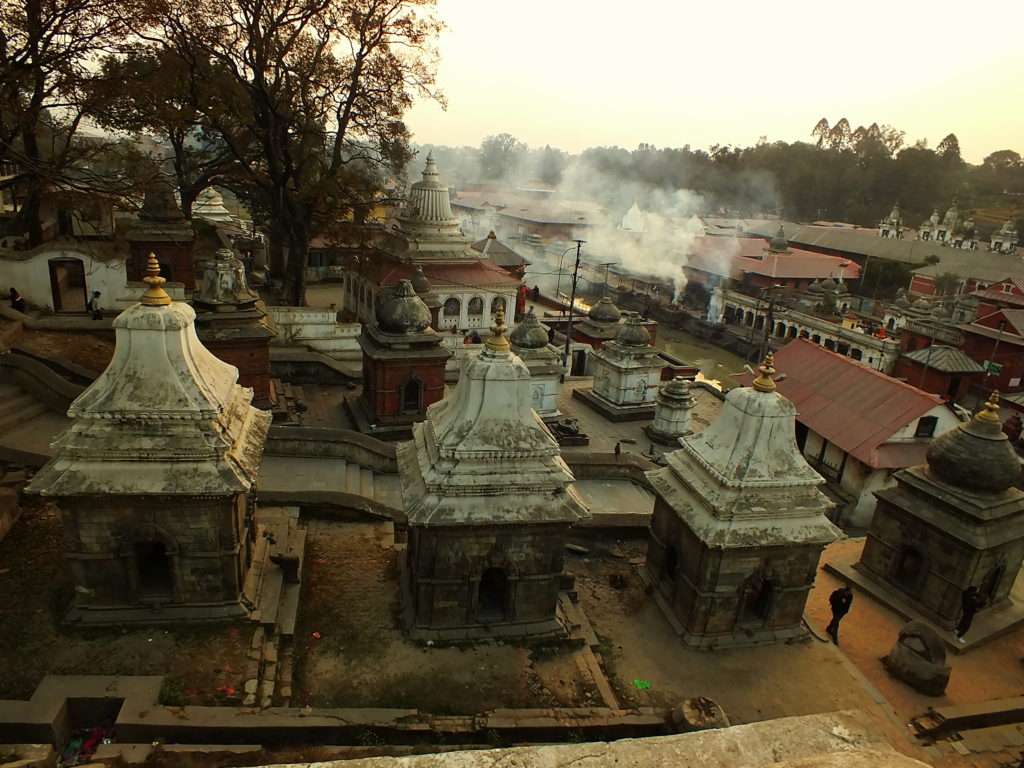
(251, 685)
(919, 659)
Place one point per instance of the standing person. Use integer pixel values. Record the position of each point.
(970, 603)
(17, 300)
(93, 306)
(618, 450)
(840, 600)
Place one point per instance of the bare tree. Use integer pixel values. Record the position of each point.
(308, 98)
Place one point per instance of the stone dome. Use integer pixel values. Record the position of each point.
(976, 455)
(529, 333)
(633, 333)
(403, 311)
(814, 287)
(828, 284)
(420, 282)
(604, 311)
(779, 244)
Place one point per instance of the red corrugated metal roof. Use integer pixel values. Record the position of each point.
(719, 256)
(471, 274)
(852, 406)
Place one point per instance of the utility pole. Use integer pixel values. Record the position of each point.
(572, 302)
(606, 264)
(769, 321)
(995, 348)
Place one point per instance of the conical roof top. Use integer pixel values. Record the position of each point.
(165, 417)
(605, 311)
(403, 311)
(483, 455)
(977, 455)
(779, 243)
(529, 333)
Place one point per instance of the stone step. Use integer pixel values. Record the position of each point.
(14, 401)
(270, 596)
(29, 411)
(366, 482)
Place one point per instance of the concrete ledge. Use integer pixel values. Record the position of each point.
(590, 465)
(611, 411)
(325, 442)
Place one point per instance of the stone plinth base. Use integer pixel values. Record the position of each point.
(739, 639)
(178, 613)
(660, 437)
(535, 630)
(988, 624)
(612, 411)
(362, 419)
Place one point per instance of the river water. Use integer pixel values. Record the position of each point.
(715, 364)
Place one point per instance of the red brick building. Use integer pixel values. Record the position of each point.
(997, 340)
(942, 370)
(163, 230)
(403, 366)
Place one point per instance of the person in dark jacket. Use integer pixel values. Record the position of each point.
(970, 603)
(840, 600)
(17, 300)
(92, 306)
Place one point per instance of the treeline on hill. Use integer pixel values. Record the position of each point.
(844, 174)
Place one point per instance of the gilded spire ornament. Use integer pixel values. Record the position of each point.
(155, 295)
(990, 411)
(497, 341)
(764, 381)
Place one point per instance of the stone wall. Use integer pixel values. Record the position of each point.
(445, 567)
(712, 592)
(204, 539)
(385, 380)
(947, 565)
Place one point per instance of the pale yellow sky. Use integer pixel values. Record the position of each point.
(574, 73)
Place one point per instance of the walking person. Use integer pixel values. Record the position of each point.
(17, 300)
(840, 600)
(93, 306)
(970, 603)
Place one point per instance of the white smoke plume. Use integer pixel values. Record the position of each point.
(665, 233)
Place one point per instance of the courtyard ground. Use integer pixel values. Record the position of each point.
(639, 648)
(351, 653)
(204, 665)
(990, 671)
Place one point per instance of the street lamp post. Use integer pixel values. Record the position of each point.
(572, 302)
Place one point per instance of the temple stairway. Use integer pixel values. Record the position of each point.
(280, 475)
(27, 426)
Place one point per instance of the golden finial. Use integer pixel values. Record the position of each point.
(990, 411)
(497, 342)
(764, 381)
(155, 295)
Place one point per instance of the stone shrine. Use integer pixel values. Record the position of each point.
(489, 503)
(232, 322)
(738, 524)
(1005, 239)
(530, 344)
(600, 325)
(470, 288)
(672, 412)
(403, 366)
(627, 374)
(955, 522)
(162, 230)
(154, 476)
(891, 227)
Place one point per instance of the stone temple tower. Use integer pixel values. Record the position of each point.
(153, 478)
(489, 503)
(739, 524)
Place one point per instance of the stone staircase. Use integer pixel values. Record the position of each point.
(317, 329)
(280, 475)
(17, 407)
(273, 588)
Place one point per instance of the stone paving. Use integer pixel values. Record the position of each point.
(992, 671)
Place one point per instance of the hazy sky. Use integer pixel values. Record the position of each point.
(575, 74)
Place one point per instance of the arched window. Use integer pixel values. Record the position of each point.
(476, 306)
(780, 329)
(498, 303)
(452, 308)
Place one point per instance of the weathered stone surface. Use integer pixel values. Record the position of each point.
(818, 741)
(919, 659)
(489, 502)
(739, 523)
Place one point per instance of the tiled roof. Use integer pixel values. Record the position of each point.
(851, 405)
(945, 359)
(472, 274)
(718, 256)
(499, 253)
